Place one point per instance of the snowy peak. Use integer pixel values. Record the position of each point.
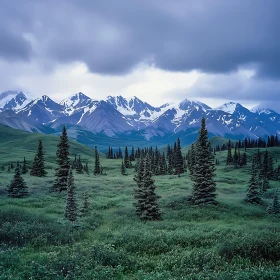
(228, 107)
(6, 96)
(187, 105)
(131, 106)
(76, 101)
(17, 102)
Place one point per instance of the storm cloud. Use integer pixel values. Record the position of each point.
(219, 40)
(113, 37)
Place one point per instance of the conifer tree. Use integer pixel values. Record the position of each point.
(253, 192)
(71, 204)
(229, 159)
(63, 162)
(274, 207)
(146, 206)
(132, 157)
(179, 160)
(85, 207)
(86, 168)
(17, 187)
(97, 167)
(204, 186)
(38, 165)
(126, 158)
(122, 168)
(24, 169)
(191, 160)
(79, 166)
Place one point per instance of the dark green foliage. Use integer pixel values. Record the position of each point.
(24, 169)
(126, 158)
(123, 168)
(63, 163)
(17, 188)
(19, 227)
(274, 207)
(38, 165)
(86, 168)
(191, 160)
(97, 167)
(254, 191)
(255, 247)
(79, 166)
(179, 160)
(85, 207)
(146, 206)
(229, 159)
(71, 204)
(204, 186)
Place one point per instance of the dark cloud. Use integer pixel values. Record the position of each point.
(112, 37)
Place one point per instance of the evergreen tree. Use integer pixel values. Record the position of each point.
(122, 168)
(204, 186)
(274, 207)
(191, 160)
(146, 206)
(85, 207)
(179, 160)
(253, 192)
(17, 188)
(38, 165)
(24, 169)
(79, 166)
(229, 159)
(71, 205)
(97, 167)
(63, 162)
(126, 158)
(86, 168)
(132, 157)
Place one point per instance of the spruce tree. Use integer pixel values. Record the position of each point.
(17, 187)
(147, 201)
(179, 160)
(85, 207)
(229, 159)
(274, 207)
(191, 160)
(204, 186)
(63, 162)
(79, 166)
(253, 192)
(71, 204)
(38, 165)
(122, 168)
(126, 158)
(97, 168)
(24, 169)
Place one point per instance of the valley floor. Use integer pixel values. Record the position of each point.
(233, 240)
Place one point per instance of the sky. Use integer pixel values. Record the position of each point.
(214, 51)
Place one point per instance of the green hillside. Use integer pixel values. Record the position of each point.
(233, 240)
(15, 144)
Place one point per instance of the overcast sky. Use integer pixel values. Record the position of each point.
(161, 50)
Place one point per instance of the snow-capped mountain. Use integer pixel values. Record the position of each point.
(6, 96)
(117, 116)
(75, 103)
(17, 102)
(41, 110)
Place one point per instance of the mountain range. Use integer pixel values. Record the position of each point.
(117, 120)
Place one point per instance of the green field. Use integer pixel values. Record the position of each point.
(233, 240)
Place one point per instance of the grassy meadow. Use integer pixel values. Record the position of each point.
(233, 240)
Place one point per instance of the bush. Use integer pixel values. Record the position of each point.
(254, 247)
